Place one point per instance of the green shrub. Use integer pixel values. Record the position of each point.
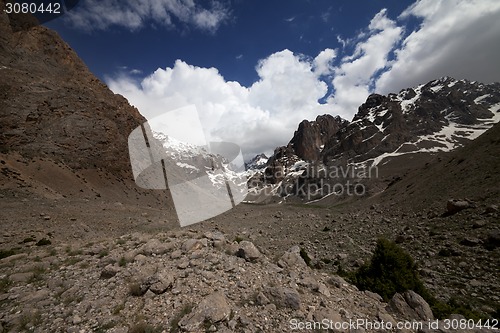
(391, 270)
(122, 262)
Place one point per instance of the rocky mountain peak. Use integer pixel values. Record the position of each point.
(309, 139)
(258, 162)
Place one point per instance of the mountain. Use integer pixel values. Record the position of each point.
(258, 162)
(63, 132)
(83, 248)
(438, 116)
(388, 136)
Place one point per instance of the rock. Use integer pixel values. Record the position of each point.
(160, 282)
(192, 245)
(470, 241)
(292, 258)
(248, 251)
(411, 306)
(76, 320)
(491, 209)
(261, 299)
(311, 136)
(327, 314)
(109, 271)
(373, 295)
(154, 246)
(454, 206)
(283, 297)
(212, 309)
(492, 240)
(21, 277)
(478, 224)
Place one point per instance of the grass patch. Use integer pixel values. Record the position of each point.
(105, 327)
(28, 240)
(117, 309)
(28, 320)
(72, 252)
(122, 262)
(72, 260)
(7, 253)
(135, 289)
(142, 327)
(174, 323)
(38, 273)
(5, 284)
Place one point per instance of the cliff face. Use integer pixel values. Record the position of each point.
(52, 106)
(310, 138)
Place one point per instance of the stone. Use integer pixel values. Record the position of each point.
(248, 251)
(21, 277)
(109, 271)
(454, 206)
(492, 240)
(470, 241)
(411, 306)
(478, 224)
(213, 308)
(292, 258)
(155, 246)
(160, 282)
(76, 320)
(283, 297)
(191, 245)
(491, 209)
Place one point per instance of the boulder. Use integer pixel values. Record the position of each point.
(454, 206)
(213, 308)
(283, 297)
(411, 306)
(248, 251)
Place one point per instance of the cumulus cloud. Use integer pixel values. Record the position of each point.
(323, 62)
(132, 14)
(258, 118)
(356, 73)
(455, 38)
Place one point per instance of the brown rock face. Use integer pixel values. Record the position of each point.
(311, 136)
(52, 106)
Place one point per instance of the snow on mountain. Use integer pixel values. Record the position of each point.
(431, 118)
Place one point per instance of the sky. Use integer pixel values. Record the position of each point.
(254, 69)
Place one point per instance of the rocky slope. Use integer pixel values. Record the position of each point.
(187, 281)
(63, 132)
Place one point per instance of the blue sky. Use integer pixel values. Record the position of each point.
(254, 68)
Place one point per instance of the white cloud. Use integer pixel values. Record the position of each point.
(132, 14)
(323, 62)
(356, 72)
(456, 38)
(258, 118)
